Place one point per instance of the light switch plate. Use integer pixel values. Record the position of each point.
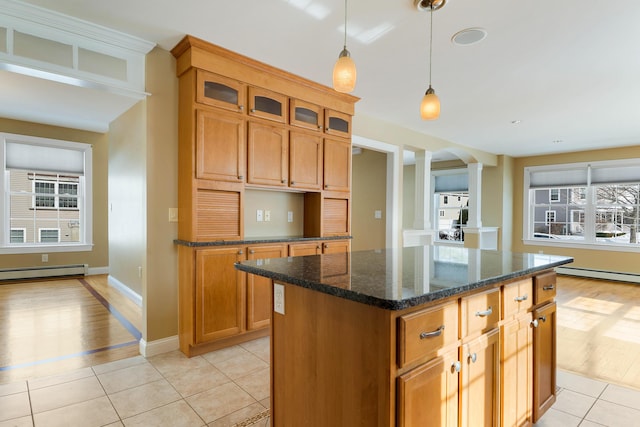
(267, 216)
(173, 214)
(259, 215)
(290, 216)
(278, 298)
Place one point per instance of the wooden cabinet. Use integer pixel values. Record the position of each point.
(480, 381)
(306, 248)
(219, 91)
(544, 359)
(337, 123)
(220, 294)
(516, 371)
(305, 161)
(259, 288)
(220, 146)
(267, 155)
(306, 115)
(336, 246)
(428, 395)
(218, 213)
(267, 104)
(337, 165)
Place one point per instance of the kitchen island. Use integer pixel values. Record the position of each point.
(428, 335)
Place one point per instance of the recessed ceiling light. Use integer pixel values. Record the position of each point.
(515, 122)
(469, 36)
(557, 141)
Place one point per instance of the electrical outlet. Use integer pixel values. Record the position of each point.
(290, 216)
(45, 257)
(278, 298)
(377, 214)
(267, 216)
(259, 215)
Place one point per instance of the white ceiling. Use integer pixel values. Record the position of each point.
(568, 70)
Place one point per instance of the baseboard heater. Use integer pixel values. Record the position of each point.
(599, 274)
(42, 272)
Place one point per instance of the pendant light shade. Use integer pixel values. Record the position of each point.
(344, 72)
(430, 105)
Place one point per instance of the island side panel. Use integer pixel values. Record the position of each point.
(332, 362)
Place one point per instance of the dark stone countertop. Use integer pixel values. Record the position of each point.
(256, 240)
(395, 279)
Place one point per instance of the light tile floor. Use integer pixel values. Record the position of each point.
(226, 387)
(218, 389)
(586, 402)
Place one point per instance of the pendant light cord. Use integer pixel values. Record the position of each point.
(430, 41)
(345, 24)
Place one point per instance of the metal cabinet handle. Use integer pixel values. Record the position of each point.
(326, 186)
(293, 183)
(240, 177)
(521, 298)
(240, 252)
(485, 313)
(319, 127)
(456, 367)
(473, 357)
(431, 334)
(534, 323)
(252, 251)
(253, 110)
(543, 318)
(284, 181)
(240, 107)
(548, 288)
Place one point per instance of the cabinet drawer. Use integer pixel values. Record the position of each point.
(423, 333)
(545, 287)
(480, 312)
(517, 297)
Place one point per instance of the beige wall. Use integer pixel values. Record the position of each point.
(497, 200)
(99, 256)
(279, 203)
(369, 193)
(161, 275)
(584, 258)
(408, 196)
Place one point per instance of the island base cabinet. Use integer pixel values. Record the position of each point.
(429, 393)
(259, 288)
(480, 381)
(544, 359)
(517, 367)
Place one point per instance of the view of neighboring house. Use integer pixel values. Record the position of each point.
(452, 214)
(44, 207)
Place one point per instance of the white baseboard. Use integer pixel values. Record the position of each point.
(125, 290)
(97, 270)
(599, 274)
(164, 345)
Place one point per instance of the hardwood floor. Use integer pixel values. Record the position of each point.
(599, 329)
(52, 326)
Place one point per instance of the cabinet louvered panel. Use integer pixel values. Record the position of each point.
(336, 217)
(218, 214)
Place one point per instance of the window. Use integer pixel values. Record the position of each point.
(584, 204)
(47, 198)
(451, 202)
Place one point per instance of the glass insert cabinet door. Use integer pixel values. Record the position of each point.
(268, 105)
(219, 91)
(306, 115)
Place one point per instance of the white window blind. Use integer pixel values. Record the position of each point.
(44, 158)
(451, 182)
(558, 178)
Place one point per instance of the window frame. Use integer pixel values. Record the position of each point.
(24, 234)
(589, 211)
(85, 186)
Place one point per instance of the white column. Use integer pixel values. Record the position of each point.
(475, 195)
(422, 217)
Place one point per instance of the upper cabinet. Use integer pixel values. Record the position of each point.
(220, 146)
(337, 165)
(268, 155)
(268, 105)
(218, 91)
(306, 115)
(337, 123)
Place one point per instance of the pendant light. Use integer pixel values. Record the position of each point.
(430, 105)
(344, 72)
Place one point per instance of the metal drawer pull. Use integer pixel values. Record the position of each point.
(431, 334)
(522, 298)
(455, 367)
(473, 357)
(543, 318)
(548, 288)
(534, 323)
(487, 312)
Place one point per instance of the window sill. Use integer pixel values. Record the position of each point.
(557, 243)
(32, 249)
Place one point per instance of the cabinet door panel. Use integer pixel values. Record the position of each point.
(337, 165)
(336, 123)
(219, 294)
(259, 288)
(268, 155)
(306, 115)
(220, 146)
(305, 170)
(428, 395)
(218, 214)
(302, 249)
(219, 91)
(544, 360)
(268, 105)
(480, 381)
(517, 366)
(335, 217)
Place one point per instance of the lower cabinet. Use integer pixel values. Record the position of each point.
(480, 381)
(517, 367)
(259, 288)
(544, 359)
(428, 395)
